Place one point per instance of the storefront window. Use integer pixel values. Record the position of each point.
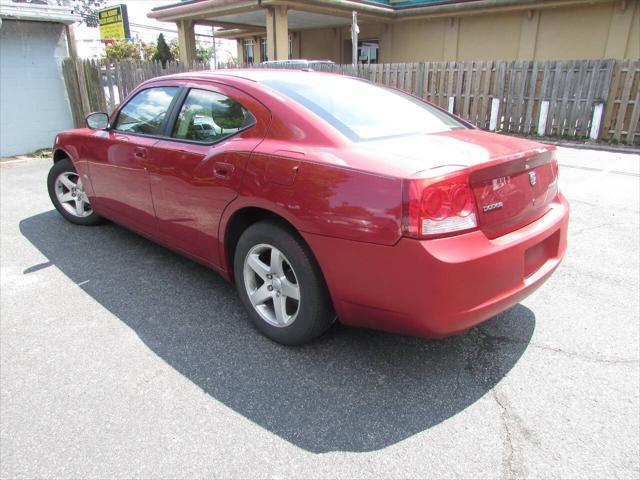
(248, 52)
(368, 51)
(263, 50)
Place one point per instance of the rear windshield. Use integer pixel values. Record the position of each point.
(362, 110)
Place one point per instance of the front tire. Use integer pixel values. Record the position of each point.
(67, 194)
(280, 285)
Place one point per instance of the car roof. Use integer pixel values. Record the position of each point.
(293, 61)
(251, 74)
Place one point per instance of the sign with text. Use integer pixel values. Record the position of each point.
(114, 22)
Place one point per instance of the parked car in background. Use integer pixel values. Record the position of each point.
(296, 63)
(321, 196)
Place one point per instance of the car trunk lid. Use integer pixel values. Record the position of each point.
(512, 192)
(513, 180)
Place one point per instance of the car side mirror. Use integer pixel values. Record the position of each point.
(97, 121)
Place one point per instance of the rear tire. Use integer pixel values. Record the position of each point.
(281, 285)
(67, 194)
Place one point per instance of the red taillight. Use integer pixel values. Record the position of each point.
(435, 209)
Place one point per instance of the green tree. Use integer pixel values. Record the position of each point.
(163, 52)
(122, 50)
(203, 54)
(230, 117)
(87, 9)
(175, 48)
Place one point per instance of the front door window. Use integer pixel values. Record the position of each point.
(146, 112)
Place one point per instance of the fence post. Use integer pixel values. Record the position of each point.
(612, 81)
(594, 133)
(112, 97)
(452, 101)
(493, 121)
(73, 91)
(420, 79)
(82, 82)
(542, 119)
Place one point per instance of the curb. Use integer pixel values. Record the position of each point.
(606, 147)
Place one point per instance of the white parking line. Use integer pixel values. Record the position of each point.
(5, 162)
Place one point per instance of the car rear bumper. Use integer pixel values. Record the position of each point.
(437, 288)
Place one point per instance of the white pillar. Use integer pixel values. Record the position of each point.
(277, 22)
(452, 102)
(186, 41)
(354, 38)
(493, 120)
(594, 133)
(542, 118)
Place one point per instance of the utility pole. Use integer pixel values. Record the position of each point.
(71, 40)
(215, 54)
(354, 38)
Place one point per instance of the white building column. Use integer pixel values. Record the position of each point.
(277, 21)
(186, 41)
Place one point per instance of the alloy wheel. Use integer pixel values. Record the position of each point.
(71, 195)
(271, 285)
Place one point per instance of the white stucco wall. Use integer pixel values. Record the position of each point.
(33, 99)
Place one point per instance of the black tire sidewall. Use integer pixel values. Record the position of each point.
(61, 166)
(316, 311)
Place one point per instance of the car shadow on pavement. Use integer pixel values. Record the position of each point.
(352, 390)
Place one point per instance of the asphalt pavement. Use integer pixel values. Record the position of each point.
(121, 359)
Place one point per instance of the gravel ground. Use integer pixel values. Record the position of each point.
(121, 359)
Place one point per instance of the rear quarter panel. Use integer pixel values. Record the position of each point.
(330, 200)
(322, 199)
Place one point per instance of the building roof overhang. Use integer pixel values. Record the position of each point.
(37, 12)
(313, 14)
(248, 15)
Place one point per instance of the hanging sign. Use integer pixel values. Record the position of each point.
(114, 23)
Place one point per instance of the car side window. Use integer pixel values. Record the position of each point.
(208, 117)
(146, 111)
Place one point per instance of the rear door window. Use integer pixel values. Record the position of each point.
(208, 117)
(146, 111)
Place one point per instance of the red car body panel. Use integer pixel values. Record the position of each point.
(346, 200)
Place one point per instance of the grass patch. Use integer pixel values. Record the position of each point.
(40, 153)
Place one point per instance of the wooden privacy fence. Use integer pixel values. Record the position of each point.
(94, 86)
(575, 99)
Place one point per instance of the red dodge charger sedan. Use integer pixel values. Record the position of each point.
(322, 196)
